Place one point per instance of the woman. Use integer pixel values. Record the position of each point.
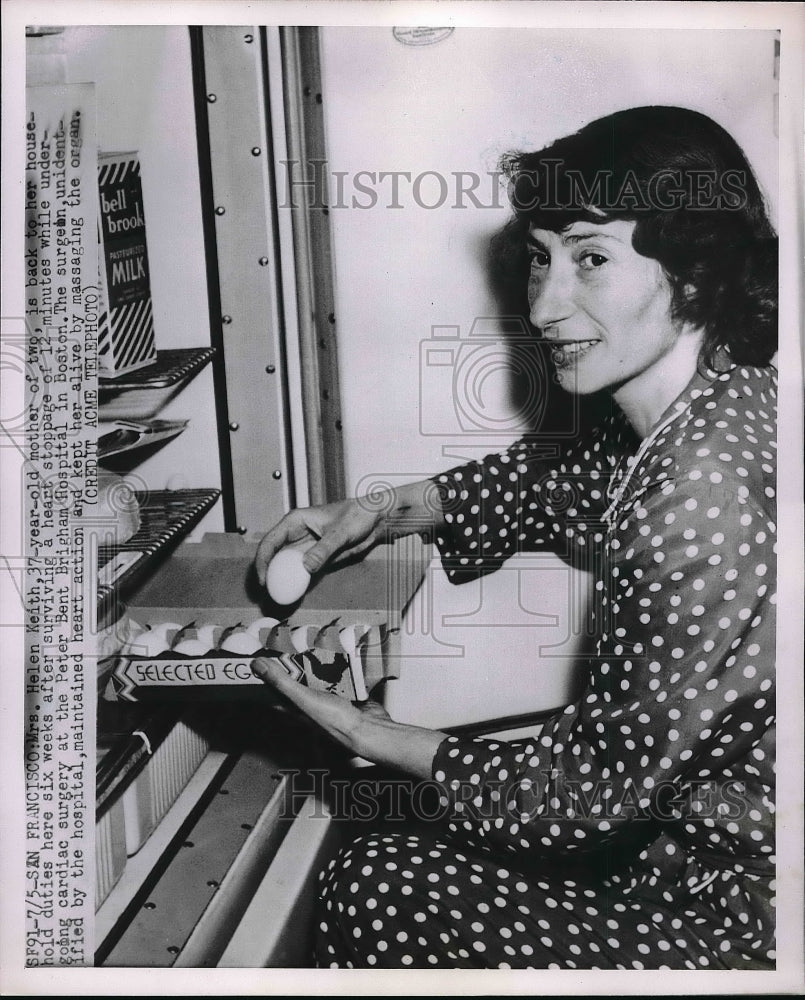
(637, 830)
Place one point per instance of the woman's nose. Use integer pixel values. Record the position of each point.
(550, 297)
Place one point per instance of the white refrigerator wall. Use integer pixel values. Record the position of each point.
(450, 107)
(456, 106)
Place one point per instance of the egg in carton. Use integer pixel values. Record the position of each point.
(176, 655)
(332, 656)
(199, 640)
(326, 664)
(267, 630)
(347, 640)
(275, 636)
(152, 640)
(165, 654)
(313, 654)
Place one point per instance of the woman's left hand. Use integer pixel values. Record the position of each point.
(366, 730)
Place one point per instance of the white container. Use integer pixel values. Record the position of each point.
(110, 850)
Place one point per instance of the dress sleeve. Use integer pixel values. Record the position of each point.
(679, 694)
(525, 499)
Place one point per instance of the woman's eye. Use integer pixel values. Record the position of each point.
(590, 259)
(539, 258)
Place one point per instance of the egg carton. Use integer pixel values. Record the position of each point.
(340, 655)
(208, 591)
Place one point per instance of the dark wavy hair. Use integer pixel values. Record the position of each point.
(698, 211)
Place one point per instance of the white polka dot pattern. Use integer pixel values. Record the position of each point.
(664, 766)
(413, 900)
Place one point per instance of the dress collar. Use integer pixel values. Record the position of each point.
(702, 379)
(698, 386)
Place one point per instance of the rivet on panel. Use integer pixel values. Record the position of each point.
(256, 151)
(271, 369)
(149, 905)
(263, 262)
(248, 39)
(220, 210)
(234, 425)
(173, 950)
(242, 529)
(211, 98)
(226, 320)
(277, 474)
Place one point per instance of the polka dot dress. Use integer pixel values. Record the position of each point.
(636, 832)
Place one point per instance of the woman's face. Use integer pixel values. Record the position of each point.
(606, 307)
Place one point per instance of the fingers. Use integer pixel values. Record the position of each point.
(323, 551)
(341, 528)
(286, 531)
(269, 670)
(349, 535)
(336, 716)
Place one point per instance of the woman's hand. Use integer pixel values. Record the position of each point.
(365, 730)
(346, 528)
(351, 527)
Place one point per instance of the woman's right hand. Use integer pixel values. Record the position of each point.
(345, 528)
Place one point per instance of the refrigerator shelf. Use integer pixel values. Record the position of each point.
(170, 368)
(166, 516)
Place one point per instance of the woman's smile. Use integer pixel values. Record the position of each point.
(606, 312)
(567, 353)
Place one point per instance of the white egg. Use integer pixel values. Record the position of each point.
(147, 643)
(209, 634)
(361, 630)
(262, 625)
(167, 630)
(350, 636)
(347, 637)
(242, 643)
(191, 647)
(286, 577)
(302, 637)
